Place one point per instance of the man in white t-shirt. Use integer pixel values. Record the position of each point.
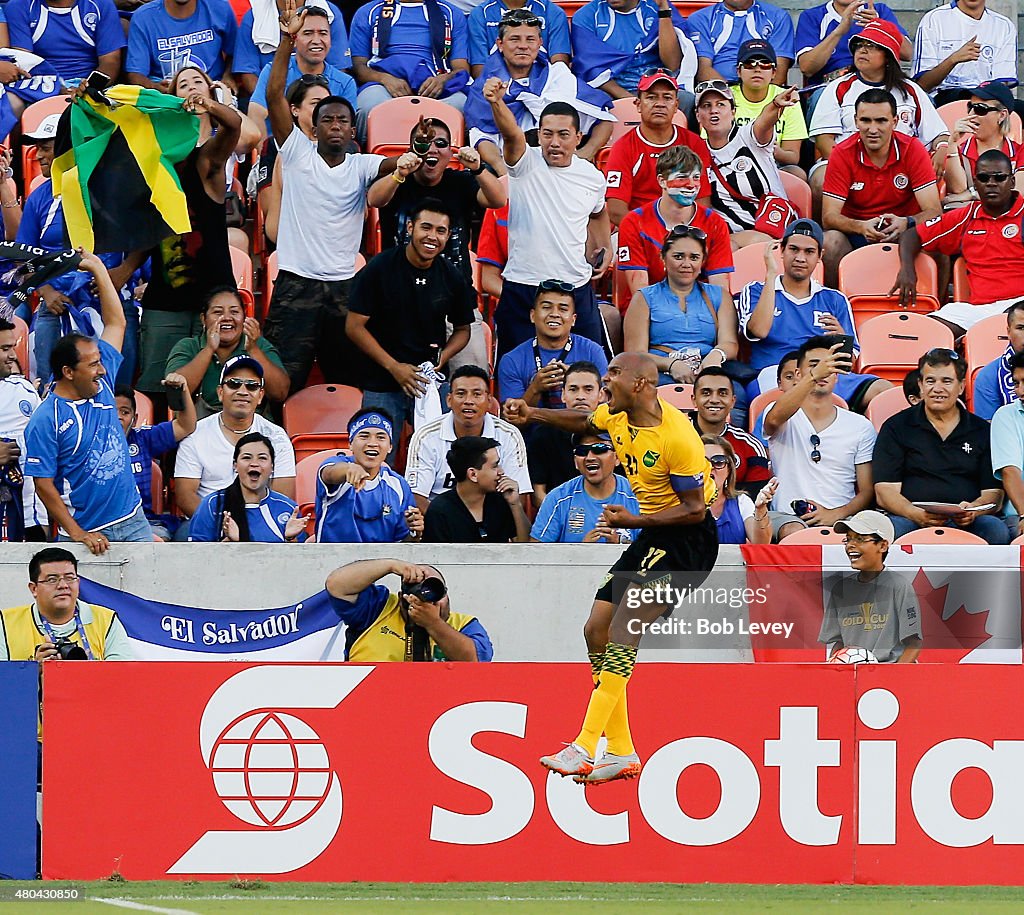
(558, 227)
(820, 453)
(961, 45)
(427, 471)
(205, 461)
(321, 225)
(743, 165)
(18, 401)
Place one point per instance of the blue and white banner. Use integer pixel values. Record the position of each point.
(308, 630)
(19, 760)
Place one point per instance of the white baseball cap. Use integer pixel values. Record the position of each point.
(46, 130)
(868, 522)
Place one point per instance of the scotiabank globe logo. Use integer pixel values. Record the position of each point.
(270, 769)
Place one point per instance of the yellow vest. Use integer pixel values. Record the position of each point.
(23, 634)
(385, 638)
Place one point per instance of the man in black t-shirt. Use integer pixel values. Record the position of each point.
(483, 506)
(397, 312)
(465, 193)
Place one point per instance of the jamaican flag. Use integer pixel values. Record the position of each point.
(114, 168)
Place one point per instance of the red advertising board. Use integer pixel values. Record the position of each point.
(429, 773)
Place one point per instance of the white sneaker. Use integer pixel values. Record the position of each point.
(573, 760)
(611, 767)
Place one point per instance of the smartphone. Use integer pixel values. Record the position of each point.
(846, 340)
(98, 81)
(175, 398)
(801, 507)
(598, 259)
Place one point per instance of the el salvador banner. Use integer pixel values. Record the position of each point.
(308, 630)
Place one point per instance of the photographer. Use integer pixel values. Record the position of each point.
(416, 624)
(58, 624)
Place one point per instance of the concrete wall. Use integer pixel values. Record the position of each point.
(532, 599)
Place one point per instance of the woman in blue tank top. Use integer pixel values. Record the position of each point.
(739, 519)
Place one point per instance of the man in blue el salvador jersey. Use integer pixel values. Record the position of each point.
(360, 499)
(75, 438)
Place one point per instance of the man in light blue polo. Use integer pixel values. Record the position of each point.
(485, 19)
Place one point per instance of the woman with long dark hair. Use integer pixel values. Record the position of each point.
(249, 511)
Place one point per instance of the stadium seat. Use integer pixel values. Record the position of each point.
(884, 405)
(933, 535)
(156, 489)
(813, 535)
(961, 283)
(760, 403)
(679, 396)
(241, 266)
(799, 193)
(316, 418)
(750, 268)
(985, 341)
(248, 300)
(305, 475)
(390, 123)
(951, 112)
(21, 347)
(867, 274)
(31, 118)
(143, 410)
(892, 344)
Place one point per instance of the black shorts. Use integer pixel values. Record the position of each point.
(681, 557)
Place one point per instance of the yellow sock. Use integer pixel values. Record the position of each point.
(615, 674)
(620, 741)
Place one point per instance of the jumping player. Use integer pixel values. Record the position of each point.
(664, 460)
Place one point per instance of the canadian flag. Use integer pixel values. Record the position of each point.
(969, 598)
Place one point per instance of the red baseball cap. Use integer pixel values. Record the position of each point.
(882, 33)
(655, 76)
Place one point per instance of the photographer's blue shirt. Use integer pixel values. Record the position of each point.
(72, 40)
(373, 514)
(81, 443)
(267, 518)
(250, 59)
(160, 45)
(569, 513)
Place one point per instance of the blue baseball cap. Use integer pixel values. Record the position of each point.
(240, 362)
(756, 49)
(806, 227)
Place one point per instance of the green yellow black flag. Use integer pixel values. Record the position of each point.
(114, 169)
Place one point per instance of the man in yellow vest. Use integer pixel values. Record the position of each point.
(57, 624)
(416, 624)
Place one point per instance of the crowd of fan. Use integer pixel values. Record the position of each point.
(651, 222)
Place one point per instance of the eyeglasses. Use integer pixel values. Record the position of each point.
(556, 286)
(815, 446)
(758, 65)
(991, 177)
(719, 460)
(596, 448)
(862, 538)
(314, 79)
(235, 384)
(52, 581)
(682, 231)
(977, 108)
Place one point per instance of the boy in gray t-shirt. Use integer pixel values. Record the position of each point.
(875, 608)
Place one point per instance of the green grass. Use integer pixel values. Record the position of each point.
(209, 898)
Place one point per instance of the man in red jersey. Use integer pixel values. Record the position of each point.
(878, 183)
(632, 180)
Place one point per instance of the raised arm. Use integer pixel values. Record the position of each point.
(280, 115)
(347, 582)
(514, 140)
(111, 310)
(764, 125)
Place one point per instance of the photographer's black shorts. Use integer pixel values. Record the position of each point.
(681, 556)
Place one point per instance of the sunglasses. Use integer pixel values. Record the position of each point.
(991, 177)
(314, 79)
(520, 17)
(596, 448)
(236, 384)
(556, 286)
(977, 108)
(815, 449)
(719, 85)
(687, 232)
(758, 65)
(718, 460)
(440, 143)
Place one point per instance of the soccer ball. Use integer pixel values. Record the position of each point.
(853, 656)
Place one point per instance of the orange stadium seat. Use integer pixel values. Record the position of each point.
(389, 124)
(985, 341)
(933, 535)
(892, 344)
(799, 193)
(143, 410)
(156, 489)
(241, 266)
(961, 282)
(679, 396)
(316, 418)
(884, 405)
(750, 268)
(305, 475)
(867, 274)
(813, 535)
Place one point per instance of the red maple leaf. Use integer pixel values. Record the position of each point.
(944, 628)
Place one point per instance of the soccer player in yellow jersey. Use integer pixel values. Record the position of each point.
(664, 460)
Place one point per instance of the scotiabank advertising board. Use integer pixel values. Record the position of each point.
(337, 772)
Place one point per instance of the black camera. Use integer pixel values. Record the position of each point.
(430, 590)
(68, 650)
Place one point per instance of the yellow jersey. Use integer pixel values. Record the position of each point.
(660, 461)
